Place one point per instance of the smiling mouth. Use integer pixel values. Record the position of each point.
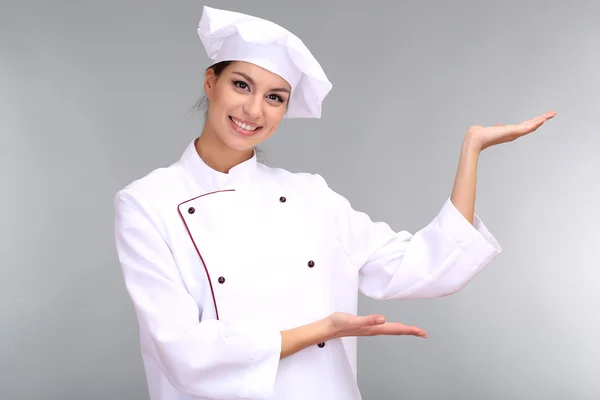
(243, 128)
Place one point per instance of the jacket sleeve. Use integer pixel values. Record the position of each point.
(208, 359)
(438, 260)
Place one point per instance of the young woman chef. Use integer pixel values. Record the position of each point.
(244, 278)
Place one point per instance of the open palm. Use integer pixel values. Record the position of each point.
(486, 136)
(345, 324)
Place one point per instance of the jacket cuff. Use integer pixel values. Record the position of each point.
(473, 239)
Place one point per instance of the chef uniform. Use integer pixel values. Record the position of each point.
(218, 264)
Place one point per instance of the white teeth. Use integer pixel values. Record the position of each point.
(244, 126)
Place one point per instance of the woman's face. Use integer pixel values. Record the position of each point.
(246, 104)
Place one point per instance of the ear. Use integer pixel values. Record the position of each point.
(209, 83)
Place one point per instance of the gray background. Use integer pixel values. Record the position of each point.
(96, 94)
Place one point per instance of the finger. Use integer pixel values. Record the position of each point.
(369, 320)
(523, 128)
(402, 329)
(529, 121)
(397, 328)
(533, 124)
(544, 117)
(516, 130)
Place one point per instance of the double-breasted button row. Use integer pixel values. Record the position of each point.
(192, 210)
(311, 264)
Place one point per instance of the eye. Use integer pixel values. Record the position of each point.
(276, 97)
(240, 84)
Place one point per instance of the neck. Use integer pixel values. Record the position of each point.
(217, 155)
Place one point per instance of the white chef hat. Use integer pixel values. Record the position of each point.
(232, 36)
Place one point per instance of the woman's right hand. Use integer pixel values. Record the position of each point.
(344, 324)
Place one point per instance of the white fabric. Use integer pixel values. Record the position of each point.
(179, 229)
(232, 36)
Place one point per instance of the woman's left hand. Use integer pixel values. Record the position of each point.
(483, 137)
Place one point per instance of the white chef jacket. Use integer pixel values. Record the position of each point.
(218, 264)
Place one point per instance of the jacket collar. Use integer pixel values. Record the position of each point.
(209, 179)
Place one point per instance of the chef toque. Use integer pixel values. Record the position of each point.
(232, 36)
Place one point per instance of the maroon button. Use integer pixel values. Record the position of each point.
(191, 210)
(221, 280)
(282, 199)
(322, 344)
(311, 263)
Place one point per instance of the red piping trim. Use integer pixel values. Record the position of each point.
(196, 247)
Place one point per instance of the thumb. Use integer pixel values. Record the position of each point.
(370, 320)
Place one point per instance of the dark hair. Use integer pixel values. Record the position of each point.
(217, 68)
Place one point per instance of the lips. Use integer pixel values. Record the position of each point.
(244, 128)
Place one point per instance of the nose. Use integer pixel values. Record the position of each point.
(253, 107)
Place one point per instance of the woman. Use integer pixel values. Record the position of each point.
(245, 278)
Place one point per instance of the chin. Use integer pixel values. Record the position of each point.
(238, 143)
(242, 140)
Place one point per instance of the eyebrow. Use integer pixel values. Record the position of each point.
(252, 82)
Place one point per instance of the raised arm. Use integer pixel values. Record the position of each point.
(477, 139)
(441, 258)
